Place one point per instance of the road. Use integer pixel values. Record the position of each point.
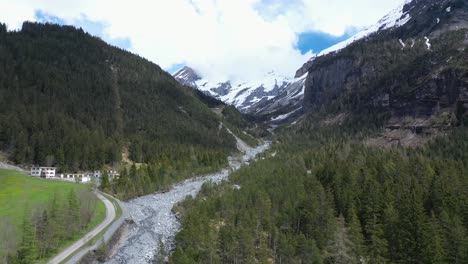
(110, 216)
(10, 167)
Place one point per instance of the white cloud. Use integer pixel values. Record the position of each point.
(237, 39)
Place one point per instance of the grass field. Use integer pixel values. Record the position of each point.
(19, 192)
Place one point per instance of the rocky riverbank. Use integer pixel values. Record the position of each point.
(154, 222)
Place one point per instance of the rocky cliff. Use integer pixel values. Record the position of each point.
(417, 66)
(271, 96)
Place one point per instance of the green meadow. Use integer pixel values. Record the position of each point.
(20, 193)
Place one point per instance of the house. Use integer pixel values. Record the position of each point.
(84, 178)
(43, 172)
(111, 173)
(50, 173)
(75, 177)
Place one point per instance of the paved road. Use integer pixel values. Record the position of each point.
(110, 216)
(10, 167)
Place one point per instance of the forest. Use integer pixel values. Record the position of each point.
(322, 196)
(70, 100)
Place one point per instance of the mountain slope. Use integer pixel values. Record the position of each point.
(261, 97)
(412, 65)
(71, 100)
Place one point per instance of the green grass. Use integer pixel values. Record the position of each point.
(20, 193)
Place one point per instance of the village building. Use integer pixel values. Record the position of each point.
(50, 173)
(43, 172)
(113, 174)
(75, 177)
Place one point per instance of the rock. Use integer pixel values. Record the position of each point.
(376, 73)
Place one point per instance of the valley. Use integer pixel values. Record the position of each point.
(358, 155)
(155, 225)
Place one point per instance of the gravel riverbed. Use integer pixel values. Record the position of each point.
(154, 220)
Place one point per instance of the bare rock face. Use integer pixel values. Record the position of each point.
(416, 67)
(187, 76)
(271, 96)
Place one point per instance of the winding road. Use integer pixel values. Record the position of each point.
(110, 216)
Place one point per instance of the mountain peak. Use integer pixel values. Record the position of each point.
(264, 95)
(412, 19)
(187, 76)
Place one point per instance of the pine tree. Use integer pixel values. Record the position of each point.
(376, 243)
(308, 250)
(180, 257)
(104, 181)
(57, 219)
(391, 230)
(434, 243)
(340, 248)
(355, 234)
(73, 214)
(28, 250)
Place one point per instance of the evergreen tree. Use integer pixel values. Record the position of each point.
(340, 248)
(356, 236)
(376, 243)
(28, 250)
(104, 181)
(73, 214)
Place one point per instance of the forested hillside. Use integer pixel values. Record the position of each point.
(322, 196)
(69, 99)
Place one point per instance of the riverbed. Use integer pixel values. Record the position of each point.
(156, 224)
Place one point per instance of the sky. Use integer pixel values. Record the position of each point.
(220, 39)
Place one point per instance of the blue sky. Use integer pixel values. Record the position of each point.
(307, 41)
(318, 41)
(221, 39)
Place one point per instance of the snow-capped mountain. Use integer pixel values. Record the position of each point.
(257, 97)
(396, 18)
(357, 71)
(412, 63)
(187, 76)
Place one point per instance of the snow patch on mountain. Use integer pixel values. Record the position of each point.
(247, 96)
(396, 18)
(282, 117)
(428, 43)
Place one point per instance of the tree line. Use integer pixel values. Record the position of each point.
(326, 198)
(44, 230)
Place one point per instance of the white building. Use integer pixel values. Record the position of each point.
(111, 173)
(75, 177)
(43, 172)
(83, 179)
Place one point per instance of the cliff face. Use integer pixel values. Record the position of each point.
(418, 68)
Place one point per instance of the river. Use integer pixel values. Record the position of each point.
(154, 221)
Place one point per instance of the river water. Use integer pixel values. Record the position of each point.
(154, 221)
